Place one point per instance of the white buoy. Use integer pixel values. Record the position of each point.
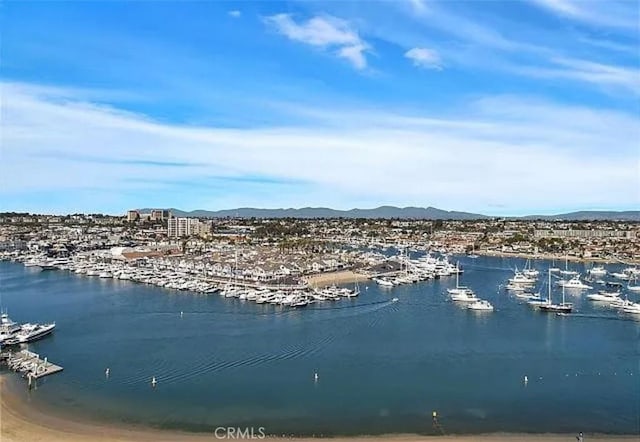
(153, 381)
(106, 372)
(315, 376)
(181, 314)
(526, 379)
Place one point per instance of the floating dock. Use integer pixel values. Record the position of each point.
(30, 365)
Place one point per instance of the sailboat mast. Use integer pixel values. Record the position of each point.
(549, 295)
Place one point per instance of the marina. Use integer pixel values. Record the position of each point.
(117, 336)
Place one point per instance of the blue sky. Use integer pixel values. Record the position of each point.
(498, 107)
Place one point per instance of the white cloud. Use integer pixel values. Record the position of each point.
(615, 14)
(325, 32)
(519, 153)
(418, 6)
(620, 77)
(424, 58)
(235, 13)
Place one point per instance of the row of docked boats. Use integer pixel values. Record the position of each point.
(416, 270)
(13, 333)
(295, 298)
(186, 279)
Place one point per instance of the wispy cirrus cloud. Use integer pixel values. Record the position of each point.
(342, 156)
(623, 78)
(326, 32)
(424, 58)
(612, 13)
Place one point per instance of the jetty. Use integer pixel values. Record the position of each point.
(29, 364)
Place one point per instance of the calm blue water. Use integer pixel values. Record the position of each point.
(383, 367)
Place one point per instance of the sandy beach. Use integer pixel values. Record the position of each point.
(343, 277)
(21, 422)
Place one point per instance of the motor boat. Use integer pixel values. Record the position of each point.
(31, 332)
(603, 296)
(597, 271)
(574, 283)
(480, 305)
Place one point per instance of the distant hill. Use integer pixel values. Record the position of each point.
(388, 212)
(385, 212)
(591, 215)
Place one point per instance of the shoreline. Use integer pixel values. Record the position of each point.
(20, 421)
(549, 257)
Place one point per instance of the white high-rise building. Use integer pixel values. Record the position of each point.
(179, 227)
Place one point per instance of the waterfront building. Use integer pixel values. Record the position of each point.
(583, 233)
(180, 227)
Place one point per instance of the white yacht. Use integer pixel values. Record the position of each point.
(520, 278)
(633, 307)
(597, 271)
(383, 282)
(621, 275)
(480, 304)
(32, 332)
(467, 296)
(603, 296)
(574, 283)
(529, 296)
(8, 328)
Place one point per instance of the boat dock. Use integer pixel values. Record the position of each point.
(29, 364)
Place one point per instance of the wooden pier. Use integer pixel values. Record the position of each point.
(30, 365)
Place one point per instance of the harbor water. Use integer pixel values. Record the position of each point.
(382, 366)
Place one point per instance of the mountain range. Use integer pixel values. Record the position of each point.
(388, 212)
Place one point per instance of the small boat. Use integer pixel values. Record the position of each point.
(597, 271)
(633, 288)
(621, 275)
(529, 296)
(480, 304)
(383, 282)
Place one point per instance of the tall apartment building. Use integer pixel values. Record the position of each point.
(179, 227)
(133, 215)
(160, 215)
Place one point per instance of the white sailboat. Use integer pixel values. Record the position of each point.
(459, 290)
(566, 270)
(633, 288)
